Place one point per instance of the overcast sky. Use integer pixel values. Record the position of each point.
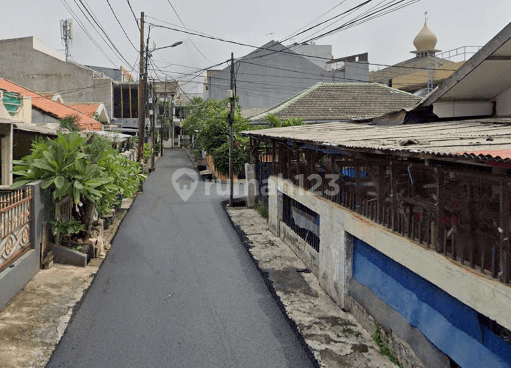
(388, 39)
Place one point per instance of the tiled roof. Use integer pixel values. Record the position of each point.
(342, 101)
(88, 109)
(478, 139)
(53, 108)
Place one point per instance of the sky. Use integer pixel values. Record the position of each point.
(388, 39)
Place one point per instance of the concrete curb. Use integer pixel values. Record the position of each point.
(266, 277)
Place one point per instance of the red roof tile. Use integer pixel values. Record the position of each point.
(53, 108)
(88, 109)
(503, 154)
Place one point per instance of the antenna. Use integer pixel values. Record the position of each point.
(66, 34)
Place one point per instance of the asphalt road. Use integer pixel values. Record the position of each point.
(178, 290)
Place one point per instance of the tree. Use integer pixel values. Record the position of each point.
(209, 120)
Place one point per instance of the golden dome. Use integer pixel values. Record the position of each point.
(425, 40)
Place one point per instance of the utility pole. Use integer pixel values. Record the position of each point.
(163, 119)
(153, 124)
(141, 94)
(171, 122)
(231, 138)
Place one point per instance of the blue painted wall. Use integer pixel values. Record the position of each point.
(454, 328)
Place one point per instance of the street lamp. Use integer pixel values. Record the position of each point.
(165, 47)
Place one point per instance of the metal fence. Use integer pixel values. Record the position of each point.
(302, 220)
(14, 225)
(461, 211)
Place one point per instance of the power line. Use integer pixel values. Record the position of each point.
(344, 26)
(341, 18)
(322, 15)
(279, 51)
(102, 29)
(77, 20)
(328, 20)
(120, 24)
(90, 22)
(200, 52)
(132, 12)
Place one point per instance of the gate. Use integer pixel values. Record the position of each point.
(14, 225)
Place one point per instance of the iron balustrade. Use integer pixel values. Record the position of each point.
(14, 225)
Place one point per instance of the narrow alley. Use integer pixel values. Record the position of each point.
(178, 290)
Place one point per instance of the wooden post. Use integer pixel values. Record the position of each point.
(439, 210)
(131, 107)
(381, 190)
(504, 230)
(122, 105)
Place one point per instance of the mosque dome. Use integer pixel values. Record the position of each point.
(425, 41)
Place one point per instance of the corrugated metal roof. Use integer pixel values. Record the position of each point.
(487, 139)
(41, 129)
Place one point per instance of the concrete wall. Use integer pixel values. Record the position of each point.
(462, 109)
(503, 107)
(39, 117)
(323, 54)
(336, 260)
(31, 64)
(265, 78)
(19, 273)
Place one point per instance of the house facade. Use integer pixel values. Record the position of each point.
(274, 73)
(30, 63)
(406, 221)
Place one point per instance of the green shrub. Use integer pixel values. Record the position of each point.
(70, 123)
(68, 169)
(262, 208)
(382, 341)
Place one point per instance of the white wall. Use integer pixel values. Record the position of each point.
(504, 103)
(487, 296)
(462, 109)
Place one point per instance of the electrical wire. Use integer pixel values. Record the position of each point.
(200, 52)
(134, 16)
(77, 20)
(292, 53)
(321, 16)
(91, 15)
(373, 15)
(120, 24)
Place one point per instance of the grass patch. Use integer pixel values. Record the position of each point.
(383, 342)
(262, 208)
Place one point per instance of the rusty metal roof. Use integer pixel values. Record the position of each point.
(484, 139)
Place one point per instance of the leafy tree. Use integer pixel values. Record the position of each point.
(70, 123)
(221, 158)
(275, 122)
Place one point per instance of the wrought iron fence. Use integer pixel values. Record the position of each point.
(14, 225)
